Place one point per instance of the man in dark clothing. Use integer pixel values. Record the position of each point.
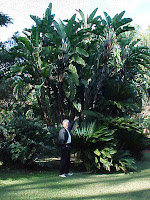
(64, 140)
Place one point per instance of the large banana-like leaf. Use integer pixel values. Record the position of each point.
(77, 106)
(26, 42)
(36, 19)
(75, 77)
(48, 14)
(81, 51)
(108, 18)
(91, 17)
(124, 29)
(78, 60)
(83, 17)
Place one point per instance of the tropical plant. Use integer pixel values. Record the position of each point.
(98, 149)
(46, 63)
(65, 64)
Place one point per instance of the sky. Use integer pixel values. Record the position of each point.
(20, 11)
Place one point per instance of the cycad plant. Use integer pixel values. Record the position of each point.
(97, 148)
(118, 99)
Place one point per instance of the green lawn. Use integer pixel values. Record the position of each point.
(17, 185)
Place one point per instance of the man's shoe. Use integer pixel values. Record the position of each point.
(62, 176)
(69, 174)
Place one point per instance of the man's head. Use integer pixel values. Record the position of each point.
(65, 123)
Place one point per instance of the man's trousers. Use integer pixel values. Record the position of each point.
(65, 159)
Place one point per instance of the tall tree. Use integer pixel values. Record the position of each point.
(65, 64)
(46, 62)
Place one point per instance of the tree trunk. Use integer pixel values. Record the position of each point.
(61, 100)
(43, 106)
(106, 54)
(99, 85)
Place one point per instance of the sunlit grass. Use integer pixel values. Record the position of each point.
(81, 186)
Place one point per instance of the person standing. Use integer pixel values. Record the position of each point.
(64, 140)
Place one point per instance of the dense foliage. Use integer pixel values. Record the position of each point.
(92, 67)
(109, 143)
(23, 140)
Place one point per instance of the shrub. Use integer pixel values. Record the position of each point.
(129, 135)
(23, 140)
(97, 148)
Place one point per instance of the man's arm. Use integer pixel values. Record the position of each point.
(72, 123)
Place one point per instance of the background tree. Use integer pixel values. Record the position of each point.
(5, 20)
(5, 61)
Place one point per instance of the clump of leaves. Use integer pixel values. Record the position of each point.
(97, 148)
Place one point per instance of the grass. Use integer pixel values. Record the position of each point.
(19, 185)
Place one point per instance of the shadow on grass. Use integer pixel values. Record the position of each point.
(39, 182)
(140, 194)
(143, 194)
(52, 181)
